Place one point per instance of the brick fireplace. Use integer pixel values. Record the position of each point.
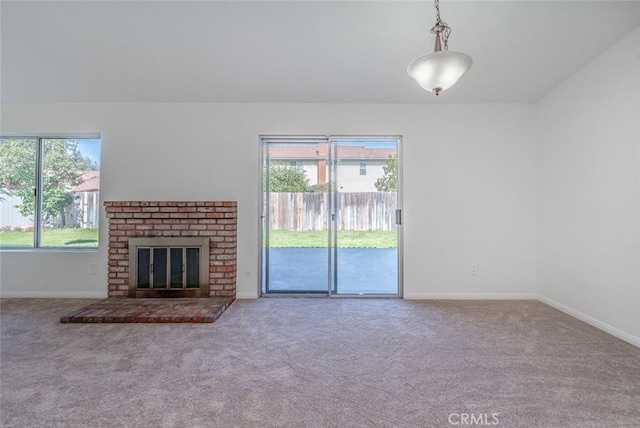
(134, 221)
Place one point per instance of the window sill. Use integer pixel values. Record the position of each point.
(48, 250)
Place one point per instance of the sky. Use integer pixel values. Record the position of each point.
(378, 144)
(90, 148)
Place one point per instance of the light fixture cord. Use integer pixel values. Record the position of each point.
(447, 29)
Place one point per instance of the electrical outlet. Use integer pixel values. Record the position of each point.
(474, 269)
(93, 269)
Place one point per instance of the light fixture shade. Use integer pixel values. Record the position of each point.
(438, 71)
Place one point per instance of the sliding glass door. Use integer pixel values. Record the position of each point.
(330, 216)
(366, 216)
(295, 223)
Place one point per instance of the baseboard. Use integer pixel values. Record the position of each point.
(249, 295)
(53, 295)
(622, 335)
(470, 296)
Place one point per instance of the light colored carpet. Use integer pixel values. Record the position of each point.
(317, 363)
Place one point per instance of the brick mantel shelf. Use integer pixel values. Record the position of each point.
(216, 220)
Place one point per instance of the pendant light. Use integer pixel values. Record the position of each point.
(440, 70)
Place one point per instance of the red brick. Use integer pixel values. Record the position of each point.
(144, 227)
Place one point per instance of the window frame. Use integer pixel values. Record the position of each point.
(37, 213)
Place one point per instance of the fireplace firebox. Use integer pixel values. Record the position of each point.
(168, 267)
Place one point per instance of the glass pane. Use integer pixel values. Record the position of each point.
(176, 268)
(159, 268)
(17, 187)
(70, 192)
(193, 267)
(144, 267)
(365, 201)
(295, 254)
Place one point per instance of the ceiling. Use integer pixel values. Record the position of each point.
(294, 51)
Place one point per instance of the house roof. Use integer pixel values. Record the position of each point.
(90, 180)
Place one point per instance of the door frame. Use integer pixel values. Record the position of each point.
(263, 215)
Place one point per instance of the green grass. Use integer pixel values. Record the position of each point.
(62, 238)
(70, 238)
(346, 239)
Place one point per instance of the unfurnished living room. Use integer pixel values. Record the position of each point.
(320, 213)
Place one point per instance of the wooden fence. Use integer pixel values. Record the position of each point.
(362, 211)
(83, 212)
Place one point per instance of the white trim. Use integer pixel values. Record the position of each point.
(470, 296)
(54, 135)
(53, 295)
(629, 338)
(247, 295)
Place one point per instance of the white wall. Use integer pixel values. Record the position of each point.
(589, 192)
(469, 182)
(350, 180)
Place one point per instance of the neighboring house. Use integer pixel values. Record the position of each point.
(85, 210)
(358, 166)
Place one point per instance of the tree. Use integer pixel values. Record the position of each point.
(389, 180)
(63, 163)
(288, 179)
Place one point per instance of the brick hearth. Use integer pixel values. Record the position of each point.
(216, 220)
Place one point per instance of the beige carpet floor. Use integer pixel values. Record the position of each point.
(317, 363)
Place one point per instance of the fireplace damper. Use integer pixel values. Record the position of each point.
(169, 267)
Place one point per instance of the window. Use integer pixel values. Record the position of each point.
(49, 192)
(296, 164)
(363, 168)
